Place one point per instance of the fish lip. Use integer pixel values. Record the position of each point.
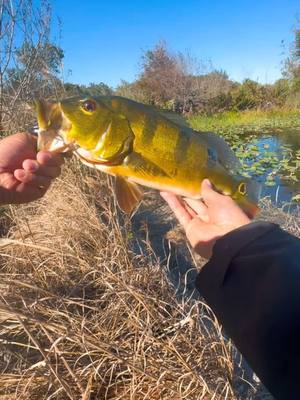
(53, 127)
(95, 161)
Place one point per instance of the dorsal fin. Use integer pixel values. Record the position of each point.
(176, 118)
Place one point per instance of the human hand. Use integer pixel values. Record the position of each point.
(25, 175)
(204, 221)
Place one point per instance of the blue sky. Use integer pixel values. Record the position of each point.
(104, 40)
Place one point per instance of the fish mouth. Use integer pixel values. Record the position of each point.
(250, 203)
(53, 127)
(86, 156)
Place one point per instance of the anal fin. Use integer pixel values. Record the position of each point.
(128, 194)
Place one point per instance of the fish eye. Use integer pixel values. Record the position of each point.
(89, 106)
(242, 188)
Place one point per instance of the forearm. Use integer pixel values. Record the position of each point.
(252, 283)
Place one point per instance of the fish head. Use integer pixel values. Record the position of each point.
(89, 119)
(101, 135)
(246, 194)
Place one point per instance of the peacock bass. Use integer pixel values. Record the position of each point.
(141, 145)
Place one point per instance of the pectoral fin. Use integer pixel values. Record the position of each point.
(143, 167)
(128, 194)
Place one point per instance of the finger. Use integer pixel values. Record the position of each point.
(177, 207)
(49, 159)
(33, 166)
(210, 196)
(32, 179)
(30, 165)
(199, 208)
(192, 212)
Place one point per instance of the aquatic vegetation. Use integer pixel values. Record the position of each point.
(246, 121)
(267, 143)
(259, 161)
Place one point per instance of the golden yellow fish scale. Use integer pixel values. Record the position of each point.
(143, 145)
(181, 157)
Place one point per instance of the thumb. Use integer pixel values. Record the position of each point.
(209, 195)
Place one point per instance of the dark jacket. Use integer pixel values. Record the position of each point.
(252, 282)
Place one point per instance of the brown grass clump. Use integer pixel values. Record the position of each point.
(84, 316)
(285, 217)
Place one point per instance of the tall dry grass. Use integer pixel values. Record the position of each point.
(85, 316)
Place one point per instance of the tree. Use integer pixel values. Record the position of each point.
(98, 89)
(212, 91)
(297, 44)
(160, 75)
(291, 71)
(94, 89)
(291, 65)
(43, 57)
(132, 91)
(177, 81)
(29, 62)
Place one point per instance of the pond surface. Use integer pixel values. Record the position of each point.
(273, 158)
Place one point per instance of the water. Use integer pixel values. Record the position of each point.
(282, 149)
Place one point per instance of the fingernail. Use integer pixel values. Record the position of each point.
(34, 166)
(207, 182)
(20, 174)
(47, 156)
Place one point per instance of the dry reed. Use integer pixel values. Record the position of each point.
(84, 316)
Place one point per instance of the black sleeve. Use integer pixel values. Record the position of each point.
(252, 283)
